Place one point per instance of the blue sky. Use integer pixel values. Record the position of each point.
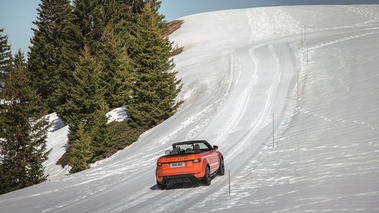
(16, 16)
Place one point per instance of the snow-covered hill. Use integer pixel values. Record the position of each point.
(239, 70)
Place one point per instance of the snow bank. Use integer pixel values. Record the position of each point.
(118, 114)
(57, 141)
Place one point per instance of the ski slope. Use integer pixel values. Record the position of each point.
(239, 72)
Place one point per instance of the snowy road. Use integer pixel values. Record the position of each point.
(238, 68)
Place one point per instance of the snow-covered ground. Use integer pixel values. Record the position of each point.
(239, 70)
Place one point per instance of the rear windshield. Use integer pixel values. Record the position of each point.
(190, 147)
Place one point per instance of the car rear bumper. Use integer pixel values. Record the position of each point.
(183, 178)
(165, 174)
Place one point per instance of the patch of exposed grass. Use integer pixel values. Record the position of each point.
(173, 26)
(176, 50)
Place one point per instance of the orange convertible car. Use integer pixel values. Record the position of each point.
(189, 161)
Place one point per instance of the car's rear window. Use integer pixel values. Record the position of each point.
(185, 146)
(190, 147)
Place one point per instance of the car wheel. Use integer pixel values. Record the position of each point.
(207, 177)
(161, 185)
(221, 170)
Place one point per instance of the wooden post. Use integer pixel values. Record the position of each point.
(307, 52)
(305, 32)
(273, 129)
(298, 85)
(229, 182)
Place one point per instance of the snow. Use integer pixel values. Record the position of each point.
(57, 143)
(239, 72)
(118, 115)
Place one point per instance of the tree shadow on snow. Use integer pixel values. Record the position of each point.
(65, 146)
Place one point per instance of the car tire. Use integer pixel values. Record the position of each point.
(207, 176)
(161, 186)
(221, 170)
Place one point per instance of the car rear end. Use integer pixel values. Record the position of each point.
(179, 168)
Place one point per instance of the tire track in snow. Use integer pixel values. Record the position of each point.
(347, 38)
(265, 114)
(242, 104)
(219, 189)
(231, 79)
(198, 120)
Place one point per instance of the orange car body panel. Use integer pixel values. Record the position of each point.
(166, 164)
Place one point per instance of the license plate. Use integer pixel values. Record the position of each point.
(175, 165)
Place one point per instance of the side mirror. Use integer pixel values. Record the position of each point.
(167, 152)
(215, 147)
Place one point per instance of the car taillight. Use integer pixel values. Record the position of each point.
(197, 160)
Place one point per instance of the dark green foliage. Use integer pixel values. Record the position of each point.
(83, 99)
(92, 17)
(122, 80)
(117, 67)
(19, 60)
(81, 151)
(127, 135)
(86, 106)
(66, 158)
(5, 53)
(23, 132)
(155, 85)
(104, 138)
(54, 51)
(105, 31)
(5, 56)
(86, 97)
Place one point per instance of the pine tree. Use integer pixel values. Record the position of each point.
(105, 33)
(104, 138)
(117, 68)
(86, 106)
(109, 54)
(155, 85)
(5, 56)
(23, 132)
(134, 10)
(19, 60)
(87, 95)
(55, 50)
(81, 151)
(123, 80)
(92, 17)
